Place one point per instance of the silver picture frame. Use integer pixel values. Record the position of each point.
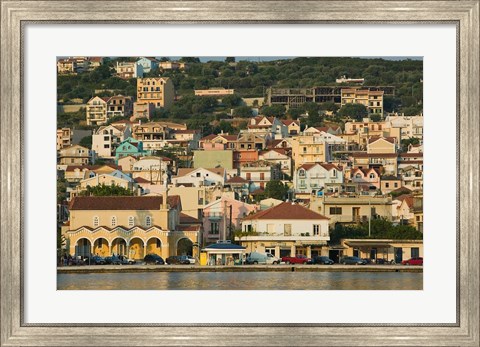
(15, 15)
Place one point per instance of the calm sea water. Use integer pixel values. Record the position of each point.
(242, 281)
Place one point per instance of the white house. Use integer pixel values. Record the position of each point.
(311, 178)
(152, 169)
(410, 127)
(259, 173)
(278, 156)
(108, 137)
(269, 127)
(402, 209)
(286, 229)
(200, 177)
(148, 64)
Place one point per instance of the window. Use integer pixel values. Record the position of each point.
(287, 230)
(100, 243)
(395, 185)
(148, 221)
(387, 185)
(158, 243)
(106, 146)
(96, 221)
(214, 228)
(198, 174)
(301, 173)
(372, 175)
(335, 210)
(106, 138)
(316, 229)
(131, 221)
(114, 221)
(415, 252)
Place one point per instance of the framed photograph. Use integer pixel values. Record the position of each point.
(240, 173)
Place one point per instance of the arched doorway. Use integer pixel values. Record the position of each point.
(83, 248)
(154, 246)
(136, 249)
(119, 246)
(184, 247)
(101, 247)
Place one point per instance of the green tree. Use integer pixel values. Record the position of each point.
(104, 190)
(376, 117)
(276, 189)
(190, 60)
(232, 100)
(407, 142)
(242, 111)
(273, 111)
(353, 111)
(230, 60)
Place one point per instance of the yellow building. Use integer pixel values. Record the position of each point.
(308, 149)
(128, 225)
(75, 155)
(158, 91)
(64, 138)
(372, 100)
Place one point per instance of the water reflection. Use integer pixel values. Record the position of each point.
(242, 281)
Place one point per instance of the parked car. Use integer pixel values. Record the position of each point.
(153, 259)
(191, 259)
(178, 259)
(112, 261)
(262, 258)
(298, 259)
(322, 260)
(413, 261)
(353, 261)
(126, 260)
(95, 260)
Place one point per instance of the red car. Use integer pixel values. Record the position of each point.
(298, 259)
(413, 261)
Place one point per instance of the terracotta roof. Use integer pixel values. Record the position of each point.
(286, 211)
(290, 121)
(116, 203)
(141, 180)
(188, 131)
(407, 197)
(91, 167)
(257, 191)
(364, 171)
(208, 137)
(186, 219)
(188, 227)
(185, 171)
(390, 178)
(236, 179)
(326, 166)
(307, 166)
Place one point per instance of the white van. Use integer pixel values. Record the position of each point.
(262, 258)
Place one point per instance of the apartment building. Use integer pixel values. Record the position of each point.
(309, 149)
(259, 174)
(119, 106)
(158, 91)
(64, 138)
(127, 70)
(96, 111)
(371, 99)
(312, 178)
(107, 138)
(75, 155)
(153, 135)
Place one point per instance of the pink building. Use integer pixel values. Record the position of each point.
(366, 178)
(222, 217)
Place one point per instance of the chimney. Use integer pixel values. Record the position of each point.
(165, 198)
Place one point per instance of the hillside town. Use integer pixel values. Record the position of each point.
(213, 161)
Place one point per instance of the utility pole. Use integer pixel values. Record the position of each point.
(223, 237)
(230, 227)
(370, 218)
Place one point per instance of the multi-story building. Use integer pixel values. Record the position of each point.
(222, 217)
(410, 127)
(309, 149)
(278, 156)
(286, 229)
(66, 66)
(260, 173)
(312, 178)
(200, 177)
(142, 110)
(216, 92)
(267, 127)
(218, 142)
(130, 147)
(294, 97)
(366, 179)
(218, 158)
(107, 138)
(127, 70)
(64, 138)
(418, 210)
(75, 155)
(148, 64)
(94, 62)
(173, 65)
(158, 91)
(244, 156)
(293, 126)
(96, 111)
(153, 135)
(353, 208)
(119, 106)
(371, 99)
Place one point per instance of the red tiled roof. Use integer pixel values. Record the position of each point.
(373, 155)
(401, 190)
(411, 155)
(289, 121)
(186, 219)
(141, 180)
(116, 203)
(208, 137)
(286, 211)
(188, 227)
(407, 197)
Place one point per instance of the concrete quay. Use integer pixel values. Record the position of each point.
(236, 268)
